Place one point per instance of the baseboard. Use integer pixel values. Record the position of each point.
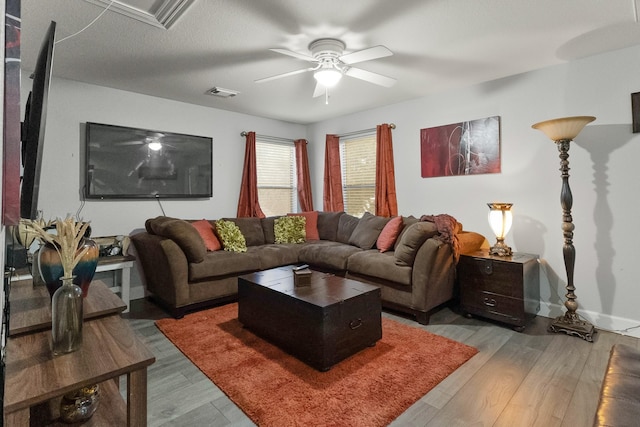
(619, 325)
(605, 322)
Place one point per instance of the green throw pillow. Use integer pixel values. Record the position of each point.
(290, 229)
(231, 236)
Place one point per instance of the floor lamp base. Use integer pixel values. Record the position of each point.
(575, 327)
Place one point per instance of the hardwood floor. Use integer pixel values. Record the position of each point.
(532, 378)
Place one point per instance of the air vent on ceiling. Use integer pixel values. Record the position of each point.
(222, 92)
(161, 16)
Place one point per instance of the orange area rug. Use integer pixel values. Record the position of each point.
(371, 388)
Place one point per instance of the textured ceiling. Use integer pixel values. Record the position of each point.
(437, 44)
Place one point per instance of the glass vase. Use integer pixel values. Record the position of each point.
(66, 318)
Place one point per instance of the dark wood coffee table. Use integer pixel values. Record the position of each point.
(320, 324)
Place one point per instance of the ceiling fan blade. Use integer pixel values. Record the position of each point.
(295, 54)
(279, 76)
(134, 142)
(319, 90)
(371, 77)
(366, 55)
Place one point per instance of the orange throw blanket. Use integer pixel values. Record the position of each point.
(448, 228)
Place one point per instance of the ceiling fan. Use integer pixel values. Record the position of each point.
(154, 141)
(331, 64)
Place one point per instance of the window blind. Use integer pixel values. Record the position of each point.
(358, 159)
(277, 192)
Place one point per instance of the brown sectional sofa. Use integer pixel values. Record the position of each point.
(415, 276)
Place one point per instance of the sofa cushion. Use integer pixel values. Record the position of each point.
(406, 221)
(185, 235)
(328, 225)
(380, 265)
(152, 223)
(251, 229)
(205, 229)
(411, 241)
(232, 238)
(367, 231)
(267, 229)
(277, 255)
(346, 224)
(470, 241)
(327, 254)
(311, 226)
(290, 229)
(224, 263)
(389, 234)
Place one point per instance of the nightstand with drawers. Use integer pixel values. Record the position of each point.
(506, 289)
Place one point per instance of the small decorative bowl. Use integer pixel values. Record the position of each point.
(79, 405)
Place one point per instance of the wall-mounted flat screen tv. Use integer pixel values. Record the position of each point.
(130, 163)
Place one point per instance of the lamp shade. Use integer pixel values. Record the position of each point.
(500, 220)
(327, 77)
(566, 128)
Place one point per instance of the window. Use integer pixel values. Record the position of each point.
(276, 164)
(358, 159)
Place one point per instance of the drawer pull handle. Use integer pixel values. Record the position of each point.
(487, 267)
(490, 302)
(355, 324)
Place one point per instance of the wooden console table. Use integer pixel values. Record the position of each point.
(36, 381)
(122, 264)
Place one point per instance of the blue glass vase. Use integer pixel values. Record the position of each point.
(51, 270)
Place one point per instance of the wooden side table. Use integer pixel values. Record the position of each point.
(31, 306)
(121, 264)
(506, 289)
(36, 381)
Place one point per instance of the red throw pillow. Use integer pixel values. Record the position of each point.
(311, 227)
(389, 234)
(205, 229)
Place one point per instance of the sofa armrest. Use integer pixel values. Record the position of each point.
(165, 267)
(433, 275)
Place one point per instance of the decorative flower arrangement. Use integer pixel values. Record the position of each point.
(24, 231)
(68, 235)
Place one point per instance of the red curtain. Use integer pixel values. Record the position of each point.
(304, 179)
(248, 205)
(386, 202)
(332, 198)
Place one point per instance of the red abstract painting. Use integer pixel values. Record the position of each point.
(466, 148)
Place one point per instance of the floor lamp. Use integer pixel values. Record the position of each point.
(563, 131)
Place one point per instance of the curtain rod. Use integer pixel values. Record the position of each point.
(269, 138)
(358, 132)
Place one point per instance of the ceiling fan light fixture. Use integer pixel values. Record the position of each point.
(155, 146)
(327, 77)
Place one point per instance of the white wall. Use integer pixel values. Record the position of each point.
(72, 104)
(604, 175)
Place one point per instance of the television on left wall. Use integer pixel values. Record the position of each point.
(33, 127)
